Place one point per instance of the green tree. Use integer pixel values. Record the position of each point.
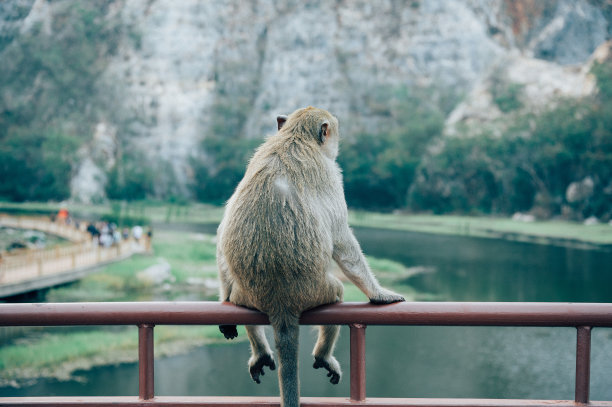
(36, 166)
(531, 165)
(225, 151)
(131, 178)
(217, 176)
(48, 83)
(379, 168)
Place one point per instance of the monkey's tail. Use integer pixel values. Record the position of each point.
(286, 334)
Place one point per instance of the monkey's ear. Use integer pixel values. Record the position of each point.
(323, 132)
(280, 120)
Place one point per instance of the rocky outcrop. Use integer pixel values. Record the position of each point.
(182, 64)
(540, 85)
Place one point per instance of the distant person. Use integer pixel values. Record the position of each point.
(93, 231)
(62, 215)
(106, 239)
(149, 237)
(137, 233)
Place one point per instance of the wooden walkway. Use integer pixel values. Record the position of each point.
(36, 269)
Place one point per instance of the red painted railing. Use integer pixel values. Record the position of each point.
(146, 315)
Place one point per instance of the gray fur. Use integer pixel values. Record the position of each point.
(283, 226)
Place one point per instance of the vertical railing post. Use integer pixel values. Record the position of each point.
(583, 364)
(146, 378)
(358, 362)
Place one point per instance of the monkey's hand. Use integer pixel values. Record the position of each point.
(332, 366)
(256, 366)
(385, 296)
(229, 331)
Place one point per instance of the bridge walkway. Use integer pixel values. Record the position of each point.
(33, 269)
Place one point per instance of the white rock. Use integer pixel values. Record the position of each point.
(156, 274)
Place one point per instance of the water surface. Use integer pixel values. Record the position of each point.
(475, 362)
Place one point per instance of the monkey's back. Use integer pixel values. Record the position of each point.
(276, 235)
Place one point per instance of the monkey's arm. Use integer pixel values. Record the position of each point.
(351, 260)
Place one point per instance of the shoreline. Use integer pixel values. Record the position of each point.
(69, 370)
(553, 231)
(548, 232)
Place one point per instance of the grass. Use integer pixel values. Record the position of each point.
(155, 211)
(52, 349)
(113, 282)
(59, 354)
(190, 254)
(551, 231)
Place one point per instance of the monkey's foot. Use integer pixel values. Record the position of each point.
(229, 331)
(256, 366)
(386, 297)
(331, 365)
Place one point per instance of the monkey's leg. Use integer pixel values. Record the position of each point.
(261, 354)
(229, 331)
(328, 334)
(225, 290)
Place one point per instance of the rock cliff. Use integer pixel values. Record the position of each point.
(181, 65)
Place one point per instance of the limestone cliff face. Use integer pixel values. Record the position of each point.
(182, 60)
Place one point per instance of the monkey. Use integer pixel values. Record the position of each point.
(284, 225)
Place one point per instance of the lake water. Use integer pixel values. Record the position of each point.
(485, 362)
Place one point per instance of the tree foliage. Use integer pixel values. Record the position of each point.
(506, 95)
(379, 168)
(47, 78)
(131, 178)
(36, 166)
(225, 151)
(529, 167)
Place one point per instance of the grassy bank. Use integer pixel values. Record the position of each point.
(153, 211)
(545, 232)
(59, 354)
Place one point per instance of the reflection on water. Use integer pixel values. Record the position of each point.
(474, 362)
(472, 269)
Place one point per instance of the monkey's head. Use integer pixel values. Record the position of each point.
(314, 126)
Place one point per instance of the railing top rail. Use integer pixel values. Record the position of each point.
(262, 401)
(215, 313)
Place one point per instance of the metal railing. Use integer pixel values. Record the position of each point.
(146, 315)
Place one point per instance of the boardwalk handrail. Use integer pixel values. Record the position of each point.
(583, 316)
(68, 231)
(38, 268)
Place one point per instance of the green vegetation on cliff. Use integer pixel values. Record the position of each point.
(531, 166)
(48, 79)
